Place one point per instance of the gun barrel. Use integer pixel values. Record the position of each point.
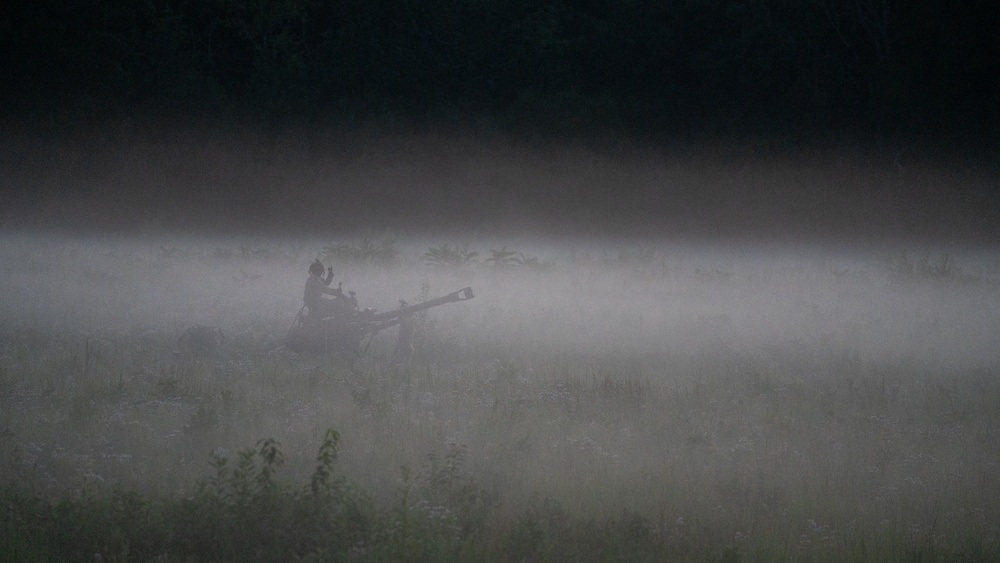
(463, 294)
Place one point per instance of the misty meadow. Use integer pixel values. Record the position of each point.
(719, 280)
(597, 401)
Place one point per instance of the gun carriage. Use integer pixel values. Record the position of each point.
(349, 328)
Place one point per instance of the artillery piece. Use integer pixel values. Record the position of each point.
(349, 327)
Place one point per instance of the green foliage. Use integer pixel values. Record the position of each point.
(502, 257)
(905, 268)
(322, 481)
(447, 256)
(546, 532)
(205, 417)
(443, 512)
(451, 495)
(505, 258)
(120, 526)
(378, 250)
(713, 274)
(243, 512)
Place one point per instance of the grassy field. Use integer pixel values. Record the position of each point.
(594, 402)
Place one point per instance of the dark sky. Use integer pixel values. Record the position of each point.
(623, 115)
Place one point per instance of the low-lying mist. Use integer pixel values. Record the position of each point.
(752, 388)
(570, 306)
(545, 297)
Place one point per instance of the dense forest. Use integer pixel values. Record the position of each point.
(640, 67)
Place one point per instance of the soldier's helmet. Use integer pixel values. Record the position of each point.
(316, 268)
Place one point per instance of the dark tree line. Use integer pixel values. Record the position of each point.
(563, 65)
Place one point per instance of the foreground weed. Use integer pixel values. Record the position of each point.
(245, 513)
(242, 513)
(443, 511)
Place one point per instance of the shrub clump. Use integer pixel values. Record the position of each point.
(242, 513)
(375, 250)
